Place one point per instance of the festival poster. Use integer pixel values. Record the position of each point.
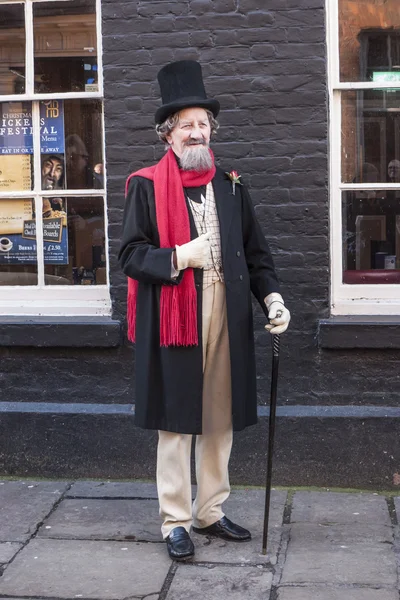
(16, 131)
(18, 232)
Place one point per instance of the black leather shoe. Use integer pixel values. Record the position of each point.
(179, 544)
(226, 530)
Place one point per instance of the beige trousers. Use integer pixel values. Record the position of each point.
(213, 447)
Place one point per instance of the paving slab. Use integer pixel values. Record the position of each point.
(220, 583)
(340, 554)
(305, 593)
(134, 520)
(245, 507)
(334, 507)
(24, 504)
(102, 570)
(8, 550)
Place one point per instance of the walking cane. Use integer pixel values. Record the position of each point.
(271, 434)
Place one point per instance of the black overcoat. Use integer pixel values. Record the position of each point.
(169, 381)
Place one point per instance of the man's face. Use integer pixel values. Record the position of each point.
(77, 159)
(394, 170)
(52, 171)
(193, 129)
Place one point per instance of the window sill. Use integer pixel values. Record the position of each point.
(374, 332)
(60, 332)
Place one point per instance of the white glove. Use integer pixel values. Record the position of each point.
(194, 254)
(278, 314)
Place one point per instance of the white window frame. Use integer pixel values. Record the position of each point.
(54, 300)
(346, 299)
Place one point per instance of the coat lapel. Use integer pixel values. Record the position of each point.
(224, 202)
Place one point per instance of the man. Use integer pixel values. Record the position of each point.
(193, 249)
(394, 171)
(79, 174)
(98, 176)
(52, 172)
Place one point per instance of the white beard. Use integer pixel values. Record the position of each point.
(196, 158)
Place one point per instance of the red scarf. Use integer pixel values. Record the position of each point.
(178, 303)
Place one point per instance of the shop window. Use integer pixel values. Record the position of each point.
(364, 82)
(53, 239)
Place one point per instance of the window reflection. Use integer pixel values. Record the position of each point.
(18, 258)
(75, 246)
(65, 46)
(369, 33)
(371, 136)
(12, 43)
(371, 239)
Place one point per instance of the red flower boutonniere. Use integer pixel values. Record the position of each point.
(235, 178)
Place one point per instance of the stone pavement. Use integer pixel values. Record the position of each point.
(101, 540)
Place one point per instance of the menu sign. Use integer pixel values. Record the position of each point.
(52, 127)
(18, 232)
(15, 172)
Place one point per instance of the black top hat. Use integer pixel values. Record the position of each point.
(181, 85)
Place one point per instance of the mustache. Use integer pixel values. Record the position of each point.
(195, 142)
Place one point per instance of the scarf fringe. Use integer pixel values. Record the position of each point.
(131, 309)
(178, 316)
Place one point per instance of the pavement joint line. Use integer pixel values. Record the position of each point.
(337, 585)
(209, 564)
(34, 534)
(72, 598)
(104, 539)
(287, 511)
(392, 510)
(283, 545)
(281, 557)
(168, 580)
(273, 594)
(108, 498)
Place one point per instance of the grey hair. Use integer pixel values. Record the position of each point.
(164, 129)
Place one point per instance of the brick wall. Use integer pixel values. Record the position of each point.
(267, 67)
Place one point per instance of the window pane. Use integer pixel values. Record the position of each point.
(18, 260)
(371, 236)
(72, 145)
(16, 146)
(369, 36)
(12, 44)
(74, 254)
(65, 46)
(371, 136)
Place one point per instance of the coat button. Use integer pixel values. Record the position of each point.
(241, 277)
(238, 253)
